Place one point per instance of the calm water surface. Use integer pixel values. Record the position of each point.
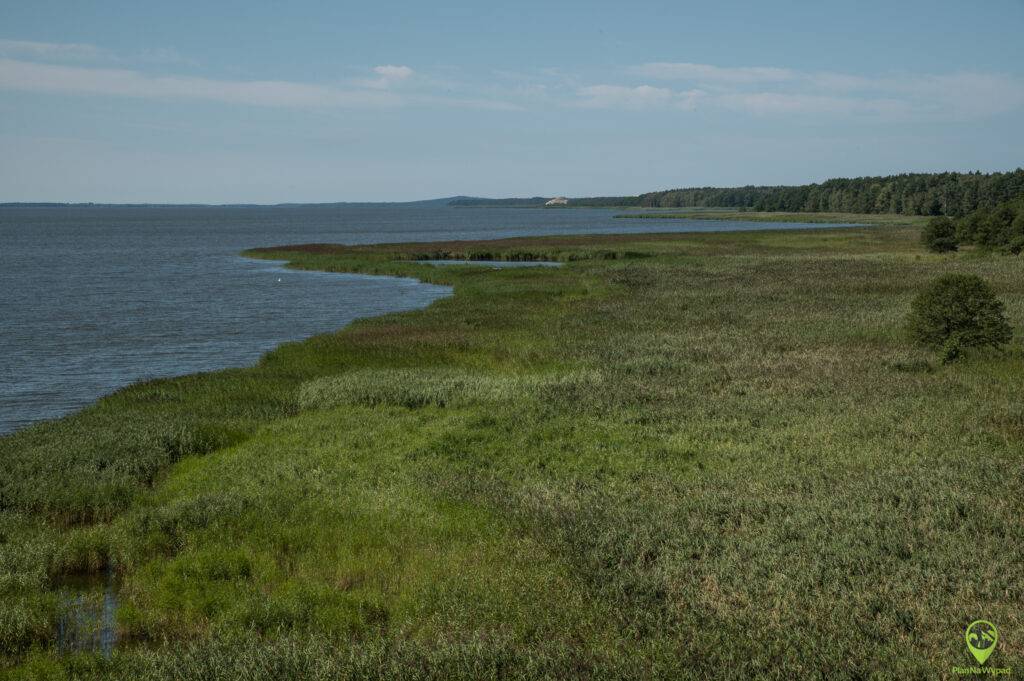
(95, 298)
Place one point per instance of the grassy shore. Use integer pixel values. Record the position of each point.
(677, 456)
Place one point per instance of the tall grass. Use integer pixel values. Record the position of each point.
(436, 387)
(722, 459)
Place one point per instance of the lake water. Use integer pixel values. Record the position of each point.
(93, 298)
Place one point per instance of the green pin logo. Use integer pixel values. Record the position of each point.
(981, 637)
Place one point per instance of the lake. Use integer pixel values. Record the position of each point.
(93, 298)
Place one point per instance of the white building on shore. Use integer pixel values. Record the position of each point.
(558, 201)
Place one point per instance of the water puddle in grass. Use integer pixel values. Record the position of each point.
(496, 264)
(87, 609)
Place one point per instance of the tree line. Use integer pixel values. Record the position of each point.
(951, 194)
(1000, 228)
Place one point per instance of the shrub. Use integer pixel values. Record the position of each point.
(1015, 244)
(939, 235)
(1000, 228)
(958, 311)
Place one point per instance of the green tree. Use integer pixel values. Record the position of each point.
(1016, 242)
(974, 227)
(939, 235)
(951, 194)
(956, 312)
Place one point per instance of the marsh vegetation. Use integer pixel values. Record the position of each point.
(678, 456)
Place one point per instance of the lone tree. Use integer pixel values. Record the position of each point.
(958, 311)
(939, 235)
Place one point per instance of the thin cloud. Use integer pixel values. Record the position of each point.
(963, 94)
(467, 103)
(755, 90)
(165, 55)
(636, 98)
(768, 90)
(35, 77)
(60, 79)
(51, 51)
(707, 73)
(85, 52)
(393, 72)
(767, 103)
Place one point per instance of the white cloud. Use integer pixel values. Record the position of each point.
(756, 90)
(388, 75)
(61, 79)
(30, 76)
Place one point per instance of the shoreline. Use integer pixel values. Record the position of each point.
(239, 363)
(470, 249)
(410, 252)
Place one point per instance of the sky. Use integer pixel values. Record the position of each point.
(259, 102)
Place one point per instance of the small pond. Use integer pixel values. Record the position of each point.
(87, 614)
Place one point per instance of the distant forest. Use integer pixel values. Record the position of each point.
(952, 194)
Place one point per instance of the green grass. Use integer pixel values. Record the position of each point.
(677, 456)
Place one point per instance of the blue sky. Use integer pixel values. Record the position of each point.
(335, 101)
